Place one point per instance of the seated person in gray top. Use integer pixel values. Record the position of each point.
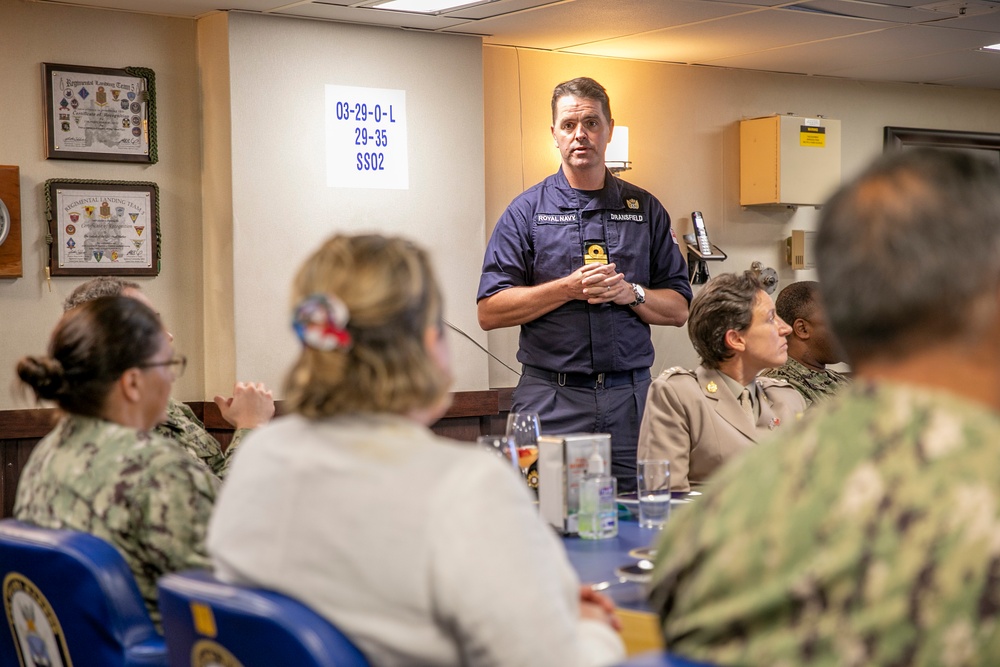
(449, 561)
(811, 344)
(250, 406)
(700, 419)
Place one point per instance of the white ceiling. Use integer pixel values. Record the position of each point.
(916, 41)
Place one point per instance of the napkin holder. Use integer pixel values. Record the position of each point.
(562, 463)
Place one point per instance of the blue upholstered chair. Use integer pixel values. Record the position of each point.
(661, 659)
(207, 621)
(70, 598)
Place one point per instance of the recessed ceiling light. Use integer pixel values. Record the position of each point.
(426, 6)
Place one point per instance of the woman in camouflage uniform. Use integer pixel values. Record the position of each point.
(110, 367)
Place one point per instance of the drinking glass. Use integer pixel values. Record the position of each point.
(522, 430)
(502, 447)
(653, 480)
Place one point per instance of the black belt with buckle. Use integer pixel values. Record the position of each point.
(589, 380)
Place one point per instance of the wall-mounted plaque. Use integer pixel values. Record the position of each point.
(103, 228)
(984, 144)
(97, 113)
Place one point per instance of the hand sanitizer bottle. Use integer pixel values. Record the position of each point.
(598, 516)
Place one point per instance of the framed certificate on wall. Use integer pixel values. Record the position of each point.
(103, 228)
(97, 113)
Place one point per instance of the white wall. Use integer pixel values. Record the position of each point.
(34, 33)
(684, 134)
(282, 207)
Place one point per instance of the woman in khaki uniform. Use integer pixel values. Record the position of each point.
(700, 419)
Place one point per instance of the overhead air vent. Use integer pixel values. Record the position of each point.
(962, 7)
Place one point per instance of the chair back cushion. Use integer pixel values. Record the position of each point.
(207, 621)
(661, 659)
(70, 599)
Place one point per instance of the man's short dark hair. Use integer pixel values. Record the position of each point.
(908, 253)
(585, 88)
(798, 300)
(725, 302)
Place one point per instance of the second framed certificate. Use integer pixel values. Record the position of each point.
(103, 228)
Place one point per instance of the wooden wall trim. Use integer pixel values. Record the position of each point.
(36, 422)
(30, 423)
(472, 414)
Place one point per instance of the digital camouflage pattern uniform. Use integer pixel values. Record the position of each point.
(814, 386)
(868, 535)
(139, 491)
(183, 427)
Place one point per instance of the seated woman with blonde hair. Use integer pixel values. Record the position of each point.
(422, 550)
(102, 470)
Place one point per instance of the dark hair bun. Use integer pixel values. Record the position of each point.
(43, 374)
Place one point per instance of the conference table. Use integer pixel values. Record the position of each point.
(598, 563)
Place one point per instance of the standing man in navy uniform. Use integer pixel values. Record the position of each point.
(584, 263)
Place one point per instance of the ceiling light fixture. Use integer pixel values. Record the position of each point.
(426, 6)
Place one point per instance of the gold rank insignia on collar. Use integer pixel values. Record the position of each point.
(632, 203)
(711, 387)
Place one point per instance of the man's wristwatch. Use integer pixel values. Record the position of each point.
(640, 295)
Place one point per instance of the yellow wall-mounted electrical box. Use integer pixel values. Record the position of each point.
(790, 160)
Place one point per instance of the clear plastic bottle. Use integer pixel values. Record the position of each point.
(598, 516)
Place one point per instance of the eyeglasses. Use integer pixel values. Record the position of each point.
(179, 363)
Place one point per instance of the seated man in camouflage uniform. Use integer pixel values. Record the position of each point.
(811, 345)
(250, 406)
(868, 534)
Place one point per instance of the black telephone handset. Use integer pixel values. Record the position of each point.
(701, 233)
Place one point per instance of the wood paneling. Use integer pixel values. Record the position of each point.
(13, 457)
(472, 413)
(27, 423)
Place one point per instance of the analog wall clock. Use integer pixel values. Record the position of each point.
(4, 222)
(10, 222)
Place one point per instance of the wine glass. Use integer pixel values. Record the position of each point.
(502, 446)
(523, 429)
